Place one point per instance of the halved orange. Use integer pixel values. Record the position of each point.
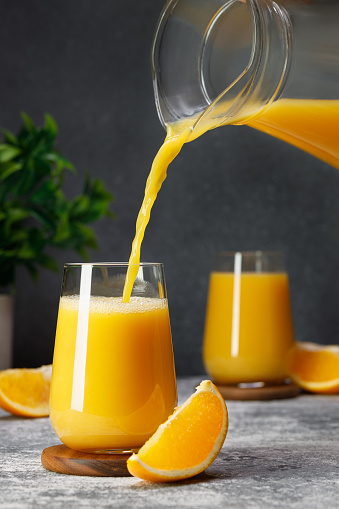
(188, 442)
(25, 392)
(314, 367)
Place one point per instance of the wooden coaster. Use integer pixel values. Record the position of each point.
(259, 393)
(63, 460)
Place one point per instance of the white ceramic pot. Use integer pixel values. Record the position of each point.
(6, 331)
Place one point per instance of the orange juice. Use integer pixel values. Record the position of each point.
(124, 386)
(248, 331)
(312, 125)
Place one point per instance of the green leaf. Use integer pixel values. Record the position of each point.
(8, 152)
(16, 238)
(7, 169)
(45, 218)
(16, 214)
(28, 123)
(44, 193)
(49, 263)
(9, 137)
(85, 234)
(28, 180)
(80, 206)
(63, 231)
(50, 125)
(64, 163)
(100, 199)
(27, 251)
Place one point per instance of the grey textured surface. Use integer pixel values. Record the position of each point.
(88, 64)
(276, 454)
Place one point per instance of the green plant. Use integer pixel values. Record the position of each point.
(34, 211)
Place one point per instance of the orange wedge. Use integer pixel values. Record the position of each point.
(25, 392)
(188, 442)
(314, 368)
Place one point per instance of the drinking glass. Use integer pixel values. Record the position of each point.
(113, 379)
(248, 328)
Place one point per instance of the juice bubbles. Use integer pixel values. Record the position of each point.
(113, 377)
(248, 328)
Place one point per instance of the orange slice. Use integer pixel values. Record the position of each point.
(25, 392)
(314, 368)
(188, 442)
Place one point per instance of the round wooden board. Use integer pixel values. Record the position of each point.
(259, 393)
(63, 460)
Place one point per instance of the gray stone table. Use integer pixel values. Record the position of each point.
(277, 454)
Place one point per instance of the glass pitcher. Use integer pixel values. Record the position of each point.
(273, 65)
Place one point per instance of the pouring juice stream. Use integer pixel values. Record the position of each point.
(311, 125)
(175, 139)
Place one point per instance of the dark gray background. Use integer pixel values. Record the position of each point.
(87, 63)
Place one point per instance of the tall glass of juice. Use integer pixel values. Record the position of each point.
(113, 379)
(248, 327)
